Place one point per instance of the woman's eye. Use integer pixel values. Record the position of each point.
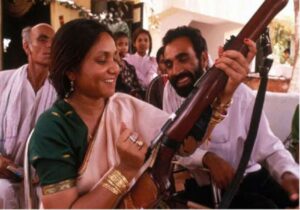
(101, 61)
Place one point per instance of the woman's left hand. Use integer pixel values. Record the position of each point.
(236, 67)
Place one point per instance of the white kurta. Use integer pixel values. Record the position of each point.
(228, 137)
(20, 107)
(146, 67)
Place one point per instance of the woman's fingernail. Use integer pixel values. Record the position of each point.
(246, 40)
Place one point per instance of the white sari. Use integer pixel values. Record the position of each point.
(102, 155)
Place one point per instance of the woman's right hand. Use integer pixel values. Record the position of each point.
(132, 150)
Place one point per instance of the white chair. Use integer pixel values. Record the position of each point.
(30, 191)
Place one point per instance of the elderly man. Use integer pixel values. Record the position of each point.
(185, 59)
(24, 94)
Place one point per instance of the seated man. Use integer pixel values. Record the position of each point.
(25, 93)
(185, 58)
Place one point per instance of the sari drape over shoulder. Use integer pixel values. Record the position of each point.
(102, 155)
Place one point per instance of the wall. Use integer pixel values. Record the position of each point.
(68, 14)
(215, 34)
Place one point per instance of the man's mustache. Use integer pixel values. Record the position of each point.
(182, 74)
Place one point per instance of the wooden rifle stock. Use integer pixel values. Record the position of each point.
(206, 90)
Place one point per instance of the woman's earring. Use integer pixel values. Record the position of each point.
(67, 95)
(71, 86)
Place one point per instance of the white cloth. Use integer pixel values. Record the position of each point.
(228, 138)
(171, 100)
(146, 67)
(19, 110)
(138, 116)
(18, 114)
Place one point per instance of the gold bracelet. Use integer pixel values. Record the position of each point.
(219, 112)
(221, 107)
(110, 188)
(116, 182)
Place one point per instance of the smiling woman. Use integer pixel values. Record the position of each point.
(81, 148)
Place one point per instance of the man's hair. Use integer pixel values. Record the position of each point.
(193, 34)
(135, 35)
(70, 45)
(26, 34)
(120, 34)
(159, 52)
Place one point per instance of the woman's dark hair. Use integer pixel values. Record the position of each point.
(70, 45)
(193, 34)
(135, 35)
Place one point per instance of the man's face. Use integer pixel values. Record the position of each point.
(183, 66)
(39, 47)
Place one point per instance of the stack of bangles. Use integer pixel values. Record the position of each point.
(219, 112)
(116, 182)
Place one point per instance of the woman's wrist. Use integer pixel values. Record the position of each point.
(116, 182)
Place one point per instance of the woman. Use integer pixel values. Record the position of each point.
(145, 65)
(88, 147)
(127, 81)
(84, 75)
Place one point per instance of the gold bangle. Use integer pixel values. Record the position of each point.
(111, 188)
(116, 182)
(219, 112)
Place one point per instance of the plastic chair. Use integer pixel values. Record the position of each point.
(30, 191)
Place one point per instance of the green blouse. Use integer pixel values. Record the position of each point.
(58, 144)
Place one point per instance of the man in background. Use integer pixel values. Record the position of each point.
(24, 94)
(186, 58)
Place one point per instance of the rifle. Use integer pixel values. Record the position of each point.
(155, 178)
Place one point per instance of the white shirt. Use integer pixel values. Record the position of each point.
(146, 68)
(228, 137)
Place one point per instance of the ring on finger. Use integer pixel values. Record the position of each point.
(140, 143)
(133, 137)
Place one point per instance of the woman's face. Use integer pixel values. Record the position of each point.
(122, 46)
(142, 43)
(98, 71)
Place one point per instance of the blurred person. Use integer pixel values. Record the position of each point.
(24, 94)
(145, 65)
(155, 90)
(127, 81)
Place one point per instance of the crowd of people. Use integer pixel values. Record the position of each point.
(94, 109)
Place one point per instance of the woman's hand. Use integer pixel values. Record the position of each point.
(236, 67)
(131, 150)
